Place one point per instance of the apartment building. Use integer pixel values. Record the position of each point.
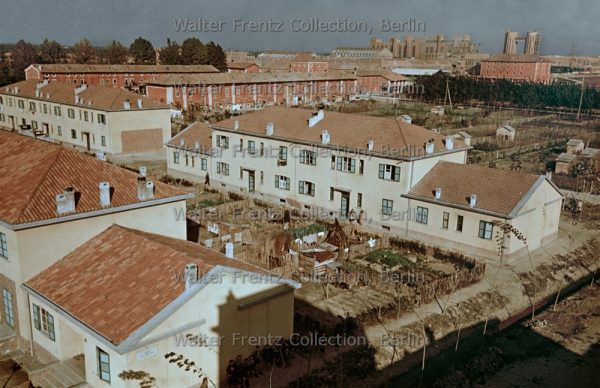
(116, 76)
(239, 91)
(384, 172)
(469, 208)
(517, 67)
(92, 118)
(326, 162)
(306, 62)
(55, 199)
(382, 82)
(126, 298)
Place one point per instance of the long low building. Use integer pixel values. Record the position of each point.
(517, 67)
(331, 164)
(238, 91)
(118, 76)
(93, 118)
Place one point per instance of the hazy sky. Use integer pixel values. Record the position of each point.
(566, 26)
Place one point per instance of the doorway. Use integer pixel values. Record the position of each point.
(86, 139)
(251, 182)
(344, 204)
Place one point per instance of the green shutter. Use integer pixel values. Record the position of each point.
(339, 163)
(397, 174)
(287, 183)
(277, 181)
(352, 165)
(51, 327)
(381, 171)
(301, 187)
(36, 317)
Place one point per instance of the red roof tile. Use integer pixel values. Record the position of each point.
(120, 279)
(33, 172)
(497, 191)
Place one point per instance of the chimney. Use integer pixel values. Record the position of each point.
(429, 147)
(325, 138)
(473, 200)
(236, 125)
(65, 202)
(438, 193)
(76, 99)
(41, 84)
(197, 145)
(80, 88)
(269, 129)
(143, 170)
(449, 143)
(370, 145)
(100, 155)
(191, 275)
(104, 194)
(229, 250)
(145, 188)
(126, 104)
(140, 104)
(316, 117)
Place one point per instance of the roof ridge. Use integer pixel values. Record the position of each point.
(39, 184)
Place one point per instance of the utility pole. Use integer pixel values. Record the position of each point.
(581, 97)
(447, 96)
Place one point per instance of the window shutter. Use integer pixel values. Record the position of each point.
(339, 164)
(352, 165)
(277, 181)
(36, 317)
(301, 187)
(51, 327)
(287, 183)
(397, 174)
(381, 171)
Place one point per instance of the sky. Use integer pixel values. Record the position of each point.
(567, 27)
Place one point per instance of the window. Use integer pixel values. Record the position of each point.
(2, 117)
(85, 115)
(32, 106)
(9, 314)
(101, 118)
(307, 188)
(262, 177)
(43, 321)
(387, 207)
(346, 164)
(445, 219)
(308, 157)
(333, 162)
(71, 113)
(175, 157)
(331, 193)
(57, 111)
(251, 147)
(34, 125)
(103, 141)
(361, 166)
(222, 168)
(73, 134)
(103, 365)
(3, 246)
(422, 213)
(1, 101)
(389, 172)
(187, 159)
(21, 104)
(359, 200)
(485, 230)
(222, 142)
(203, 164)
(459, 223)
(283, 153)
(282, 182)
(45, 108)
(59, 130)
(262, 149)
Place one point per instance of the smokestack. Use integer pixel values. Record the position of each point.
(104, 194)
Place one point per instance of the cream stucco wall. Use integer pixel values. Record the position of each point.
(368, 184)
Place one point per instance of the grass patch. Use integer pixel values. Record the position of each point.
(309, 229)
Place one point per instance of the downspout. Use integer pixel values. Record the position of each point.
(30, 327)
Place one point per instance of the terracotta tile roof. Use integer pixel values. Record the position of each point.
(307, 57)
(93, 97)
(387, 74)
(120, 279)
(197, 132)
(390, 136)
(240, 65)
(33, 172)
(105, 69)
(242, 78)
(498, 191)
